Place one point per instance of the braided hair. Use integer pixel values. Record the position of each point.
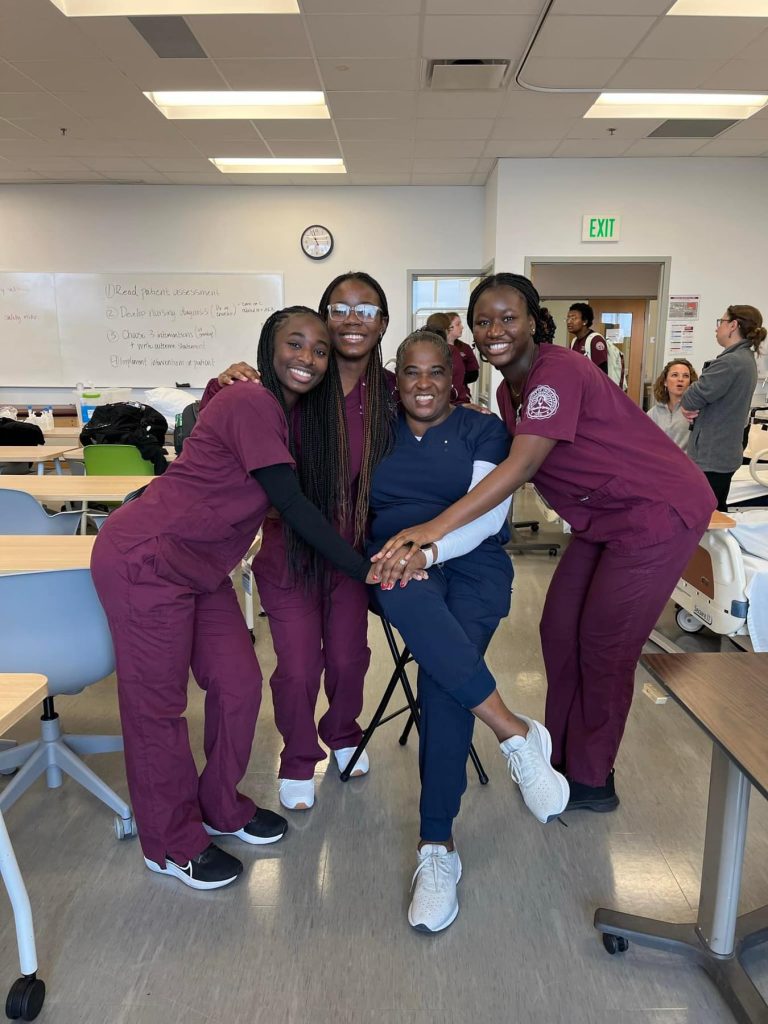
(520, 284)
(317, 442)
(378, 414)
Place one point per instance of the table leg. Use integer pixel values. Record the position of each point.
(57, 466)
(718, 938)
(40, 468)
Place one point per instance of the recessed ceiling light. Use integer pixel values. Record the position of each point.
(716, 105)
(131, 8)
(278, 165)
(720, 8)
(231, 105)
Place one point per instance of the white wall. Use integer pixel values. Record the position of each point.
(241, 229)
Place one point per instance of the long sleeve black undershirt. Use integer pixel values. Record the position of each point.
(281, 486)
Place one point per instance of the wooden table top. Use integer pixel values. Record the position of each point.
(63, 487)
(44, 553)
(19, 693)
(32, 453)
(727, 695)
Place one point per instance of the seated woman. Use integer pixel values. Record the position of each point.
(440, 453)
(671, 384)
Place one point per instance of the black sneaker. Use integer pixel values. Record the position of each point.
(593, 798)
(264, 827)
(212, 869)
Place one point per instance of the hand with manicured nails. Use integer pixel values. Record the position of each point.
(239, 371)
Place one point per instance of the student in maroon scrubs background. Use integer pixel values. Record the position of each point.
(637, 507)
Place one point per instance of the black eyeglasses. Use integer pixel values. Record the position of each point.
(365, 312)
(725, 320)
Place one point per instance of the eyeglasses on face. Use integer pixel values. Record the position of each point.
(725, 320)
(365, 312)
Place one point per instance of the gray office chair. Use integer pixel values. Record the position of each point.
(53, 623)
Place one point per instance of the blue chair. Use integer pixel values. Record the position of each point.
(20, 513)
(53, 623)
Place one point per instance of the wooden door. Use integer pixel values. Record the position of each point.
(631, 313)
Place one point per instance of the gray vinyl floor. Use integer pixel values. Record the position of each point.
(316, 929)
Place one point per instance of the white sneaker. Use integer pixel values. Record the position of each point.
(434, 904)
(545, 791)
(344, 756)
(297, 794)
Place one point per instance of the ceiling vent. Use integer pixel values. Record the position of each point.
(681, 128)
(470, 75)
(169, 36)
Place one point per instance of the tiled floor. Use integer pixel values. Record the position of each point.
(316, 931)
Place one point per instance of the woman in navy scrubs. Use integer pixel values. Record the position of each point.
(637, 506)
(440, 453)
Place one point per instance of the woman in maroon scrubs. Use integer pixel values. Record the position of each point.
(637, 507)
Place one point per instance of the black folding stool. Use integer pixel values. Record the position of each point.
(401, 658)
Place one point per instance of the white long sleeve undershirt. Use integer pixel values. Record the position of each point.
(467, 538)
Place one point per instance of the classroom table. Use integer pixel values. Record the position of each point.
(726, 694)
(37, 454)
(44, 553)
(60, 489)
(19, 693)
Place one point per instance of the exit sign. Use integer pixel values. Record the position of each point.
(600, 227)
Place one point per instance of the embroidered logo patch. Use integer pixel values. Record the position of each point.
(599, 346)
(543, 402)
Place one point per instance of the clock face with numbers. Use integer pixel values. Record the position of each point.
(316, 242)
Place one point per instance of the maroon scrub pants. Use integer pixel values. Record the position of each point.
(313, 632)
(159, 630)
(600, 609)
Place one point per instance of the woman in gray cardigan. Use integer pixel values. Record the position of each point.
(718, 403)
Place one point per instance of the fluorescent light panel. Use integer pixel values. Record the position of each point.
(715, 105)
(278, 165)
(720, 9)
(131, 8)
(232, 105)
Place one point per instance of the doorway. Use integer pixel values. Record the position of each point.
(628, 296)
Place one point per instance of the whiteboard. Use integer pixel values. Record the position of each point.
(136, 330)
(29, 336)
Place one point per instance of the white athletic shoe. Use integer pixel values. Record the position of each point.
(545, 791)
(343, 757)
(297, 794)
(434, 904)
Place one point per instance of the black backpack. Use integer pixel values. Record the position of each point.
(185, 422)
(15, 432)
(129, 423)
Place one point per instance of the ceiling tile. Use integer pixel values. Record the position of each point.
(591, 147)
(9, 175)
(36, 30)
(456, 165)
(445, 150)
(555, 73)
(217, 131)
(480, 7)
(29, 104)
(361, 6)
(152, 74)
(257, 147)
(552, 106)
(12, 131)
(663, 74)
(22, 148)
(395, 150)
(375, 129)
(566, 37)
(707, 38)
(50, 127)
(269, 74)
(444, 128)
(321, 150)
(372, 104)
(753, 128)
(387, 37)
(374, 162)
(183, 178)
(459, 104)
(748, 75)
(75, 75)
(172, 165)
(472, 36)
(253, 36)
(177, 146)
(436, 178)
(520, 148)
(663, 147)
(611, 6)
(369, 75)
(298, 131)
(122, 166)
(597, 128)
(378, 179)
(12, 80)
(757, 49)
(530, 129)
(97, 103)
(133, 127)
(115, 38)
(734, 147)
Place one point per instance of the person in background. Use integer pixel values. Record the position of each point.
(671, 384)
(579, 322)
(471, 365)
(161, 566)
(718, 403)
(441, 452)
(637, 508)
(440, 324)
(548, 326)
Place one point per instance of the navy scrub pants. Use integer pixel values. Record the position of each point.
(447, 622)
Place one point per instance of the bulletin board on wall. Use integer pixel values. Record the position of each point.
(130, 329)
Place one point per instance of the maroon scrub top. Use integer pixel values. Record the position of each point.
(206, 509)
(613, 474)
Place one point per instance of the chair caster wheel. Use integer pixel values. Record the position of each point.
(615, 944)
(26, 998)
(552, 552)
(535, 528)
(125, 828)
